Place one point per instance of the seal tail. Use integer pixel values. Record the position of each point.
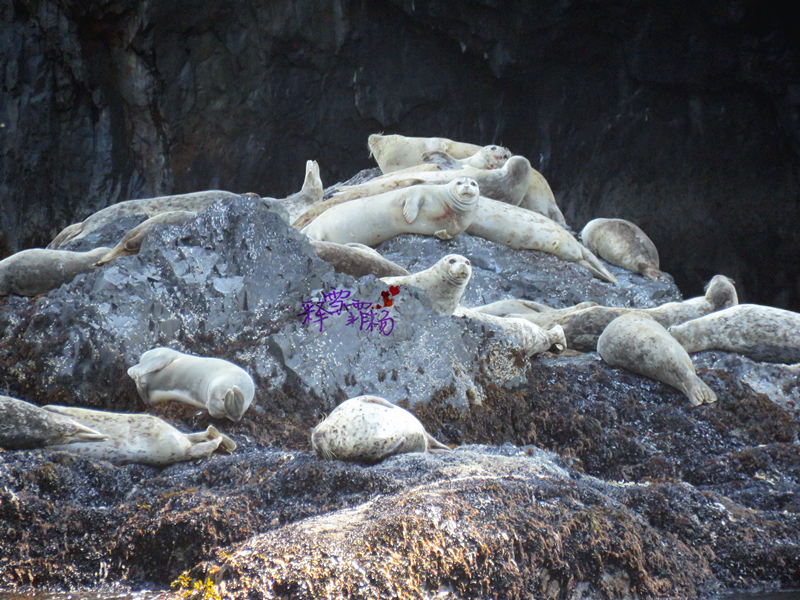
(596, 268)
(558, 341)
(434, 445)
(650, 272)
(699, 393)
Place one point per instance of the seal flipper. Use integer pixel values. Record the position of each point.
(441, 158)
(204, 449)
(596, 268)
(234, 403)
(411, 205)
(558, 341)
(152, 361)
(378, 400)
(699, 393)
(443, 235)
(212, 433)
(434, 446)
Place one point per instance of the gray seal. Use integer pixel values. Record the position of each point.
(222, 387)
(761, 333)
(37, 270)
(444, 283)
(638, 343)
(623, 244)
(142, 439)
(24, 426)
(369, 429)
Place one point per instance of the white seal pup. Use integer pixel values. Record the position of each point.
(640, 344)
(440, 210)
(395, 152)
(309, 195)
(194, 202)
(507, 184)
(531, 338)
(132, 242)
(221, 386)
(369, 429)
(357, 260)
(527, 230)
(623, 244)
(761, 333)
(37, 270)
(141, 439)
(444, 282)
(24, 425)
(583, 327)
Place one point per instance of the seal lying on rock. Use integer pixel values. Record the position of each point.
(761, 333)
(394, 152)
(527, 230)
(488, 157)
(24, 425)
(132, 242)
(440, 210)
(142, 439)
(531, 338)
(369, 429)
(623, 244)
(506, 184)
(444, 282)
(520, 307)
(357, 260)
(309, 195)
(583, 327)
(194, 202)
(166, 374)
(640, 344)
(37, 271)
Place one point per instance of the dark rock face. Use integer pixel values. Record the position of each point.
(683, 121)
(571, 478)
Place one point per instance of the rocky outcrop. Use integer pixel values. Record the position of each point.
(570, 478)
(683, 121)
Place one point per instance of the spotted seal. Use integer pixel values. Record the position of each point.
(38, 270)
(761, 333)
(444, 283)
(369, 429)
(142, 439)
(24, 425)
(222, 387)
(640, 344)
(623, 244)
(132, 242)
(394, 152)
(357, 260)
(440, 210)
(309, 195)
(531, 338)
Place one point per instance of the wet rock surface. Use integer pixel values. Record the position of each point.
(570, 478)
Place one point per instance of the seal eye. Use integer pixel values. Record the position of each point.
(452, 261)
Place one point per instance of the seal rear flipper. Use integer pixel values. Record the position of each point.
(596, 268)
(699, 393)
(234, 403)
(650, 272)
(558, 341)
(203, 449)
(435, 446)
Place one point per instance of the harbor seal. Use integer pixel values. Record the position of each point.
(440, 210)
(520, 307)
(531, 338)
(357, 260)
(761, 333)
(24, 426)
(38, 270)
(506, 184)
(394, 152)
(640, 344)
(194, 202)
(488, 157)
(583, 327)
(539, 198)
(623, 244)
(444, 283)
(141, 439)
(309, 195)
(132, 242)
(162, 374)
(527, 230)
(369, 429)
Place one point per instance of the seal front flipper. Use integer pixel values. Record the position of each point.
(378, 400)
(440, 158)
(397, 448)
(411, 205)
(443, 235)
